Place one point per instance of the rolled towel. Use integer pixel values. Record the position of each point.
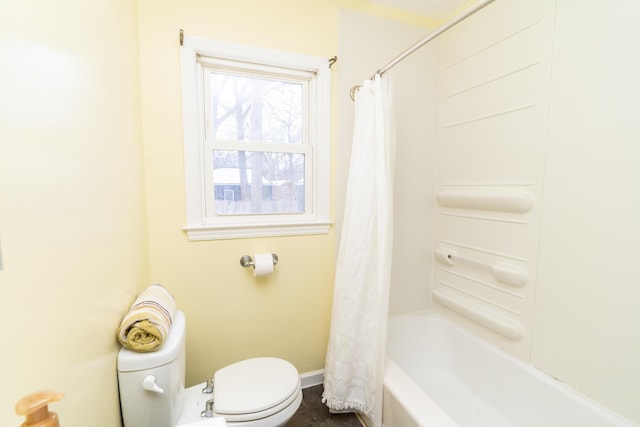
(146, 325)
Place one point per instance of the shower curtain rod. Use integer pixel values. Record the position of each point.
(432, 35)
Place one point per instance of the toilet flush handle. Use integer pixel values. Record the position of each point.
(149, 383)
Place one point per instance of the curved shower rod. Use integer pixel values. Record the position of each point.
(432, 35)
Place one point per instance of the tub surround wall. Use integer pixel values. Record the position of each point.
(539, 98)
(587, 313)
(492, 133)
(415, 89)
(366, 44)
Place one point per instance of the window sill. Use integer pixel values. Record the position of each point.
(221, 232)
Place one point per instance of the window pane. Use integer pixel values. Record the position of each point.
(250, 108)
(255, 182)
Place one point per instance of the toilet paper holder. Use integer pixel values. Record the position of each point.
(247, 260)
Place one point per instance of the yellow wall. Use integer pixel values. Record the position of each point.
(76, 241)
(72, 212)
(230, 314)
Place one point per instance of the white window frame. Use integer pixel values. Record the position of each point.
(200, 226)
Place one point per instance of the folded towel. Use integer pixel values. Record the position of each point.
(145, 327)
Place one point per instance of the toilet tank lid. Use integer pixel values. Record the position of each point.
(129, 360)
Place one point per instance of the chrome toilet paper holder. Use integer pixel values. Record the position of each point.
(247, 260)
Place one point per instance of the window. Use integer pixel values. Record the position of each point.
(256, 141)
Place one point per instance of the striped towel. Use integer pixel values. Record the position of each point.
(145, 327)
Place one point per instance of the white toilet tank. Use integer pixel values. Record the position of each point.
(152, 384)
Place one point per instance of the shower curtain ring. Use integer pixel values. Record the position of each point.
(353, 91)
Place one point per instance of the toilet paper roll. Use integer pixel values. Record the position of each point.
(263, 264)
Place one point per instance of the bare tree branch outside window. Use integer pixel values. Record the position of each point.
(257, 110)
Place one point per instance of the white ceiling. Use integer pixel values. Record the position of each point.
(435, 9)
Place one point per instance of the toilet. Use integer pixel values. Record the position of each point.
(258, 392)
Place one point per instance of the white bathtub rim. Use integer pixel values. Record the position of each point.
(567, 391)
(416, 402)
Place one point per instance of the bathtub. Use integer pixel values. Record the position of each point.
(437, 374)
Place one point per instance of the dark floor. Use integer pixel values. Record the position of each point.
(314, 413)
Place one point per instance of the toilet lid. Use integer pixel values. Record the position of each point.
(259, 386)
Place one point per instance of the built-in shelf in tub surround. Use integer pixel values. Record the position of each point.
(498, 201)
(509, 274)
(504, 272)
(480, 312)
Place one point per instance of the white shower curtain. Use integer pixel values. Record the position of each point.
(356, 352)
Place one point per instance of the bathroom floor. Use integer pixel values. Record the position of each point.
(313, 413)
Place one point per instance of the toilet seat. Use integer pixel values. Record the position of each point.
(255, 388)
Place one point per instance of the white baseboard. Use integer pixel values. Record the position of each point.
(309, 379)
